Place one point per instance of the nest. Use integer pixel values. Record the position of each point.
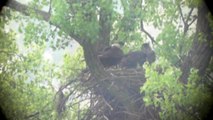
(118, 96)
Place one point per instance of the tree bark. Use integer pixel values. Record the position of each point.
(201, 51)
(92, 61)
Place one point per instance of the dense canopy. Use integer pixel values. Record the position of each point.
(58, 60)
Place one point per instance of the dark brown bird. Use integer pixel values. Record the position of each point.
(150, 54)
(111, 56)
(133, 59)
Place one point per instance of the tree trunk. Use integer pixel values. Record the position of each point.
(95, 66)
(201, 51)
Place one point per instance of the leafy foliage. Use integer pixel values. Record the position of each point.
(70, 89)
(34, 88)
(24, 87)
(73, 64)
(174, 99)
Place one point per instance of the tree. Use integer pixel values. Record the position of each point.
(113, 93)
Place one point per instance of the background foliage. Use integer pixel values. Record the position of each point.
(32, 87)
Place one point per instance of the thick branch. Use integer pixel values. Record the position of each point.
(94, 64)
(25, 9)
(90, 55)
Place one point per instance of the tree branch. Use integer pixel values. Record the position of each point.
(192, 21)
(50, 8)
(190, 13)
(32, 115)
(143, 30)
(89, 51)
(181, 14)
(25, 9)
(186, 26)
(185, 22)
